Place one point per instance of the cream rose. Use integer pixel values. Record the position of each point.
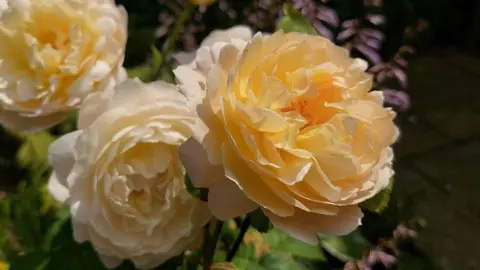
(121, 175)
(288, 125)
(53, 54)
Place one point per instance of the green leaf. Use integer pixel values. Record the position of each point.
(246, 251)
(34, 150)
(220, 256)
(379, 202)
(52, 233)
(157, 59)
(142, 72)
(279, 241)
(346, 248)
(259, 221)
(279, 261)
(275, 238)
(66, 251)
(294, 21)
(245, 264)
(36, 260)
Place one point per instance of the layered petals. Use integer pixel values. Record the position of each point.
(123, 179)
(54, 53)
(292, 122)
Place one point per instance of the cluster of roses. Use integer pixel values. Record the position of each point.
(283, 122)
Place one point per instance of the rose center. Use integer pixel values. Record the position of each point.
(314, 108)
(140, 199)
(51, 27)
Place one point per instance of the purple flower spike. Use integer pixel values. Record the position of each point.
(397, 99)
(379, 256)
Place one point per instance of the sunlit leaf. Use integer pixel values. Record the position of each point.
(345, 248)
(142, 72)
(34, 150)
(294, 21)
(379, 202)
(281, 242)
(279, 261)
(223, 266)
(246, 264)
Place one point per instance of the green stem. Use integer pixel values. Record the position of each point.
(211, 245)
(177, 29)
(239, 240)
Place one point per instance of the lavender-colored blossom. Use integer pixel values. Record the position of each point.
(378, 255)
(399, 100)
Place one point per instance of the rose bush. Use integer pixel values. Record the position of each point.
(121, 175)
(288, 124)
(53, 54)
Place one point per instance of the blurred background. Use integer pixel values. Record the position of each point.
(424, 56)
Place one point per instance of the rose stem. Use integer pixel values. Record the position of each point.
(209, 249)
(177, 28)
(238, 241)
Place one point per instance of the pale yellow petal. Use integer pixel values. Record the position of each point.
(227, 201)
(306, 226)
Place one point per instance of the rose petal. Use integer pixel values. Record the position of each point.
(200, 171)
(306, 226)
(227, 201)
(60, 155)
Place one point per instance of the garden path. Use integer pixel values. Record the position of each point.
(438, 157)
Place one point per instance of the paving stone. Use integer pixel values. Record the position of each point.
(476, 102)
(435, 82)
(457, 170)
(448, 235)
(415, 138)
(456, 123)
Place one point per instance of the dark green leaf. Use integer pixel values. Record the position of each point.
(259, 221)
(278, 261)
(172, 263)
(346, 248)
(36, 260)
(77, 256)
(379, 202)
(294, 21)
(201, 193)
(52, 233)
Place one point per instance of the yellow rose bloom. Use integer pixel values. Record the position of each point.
(53, 54)
(288, 124)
